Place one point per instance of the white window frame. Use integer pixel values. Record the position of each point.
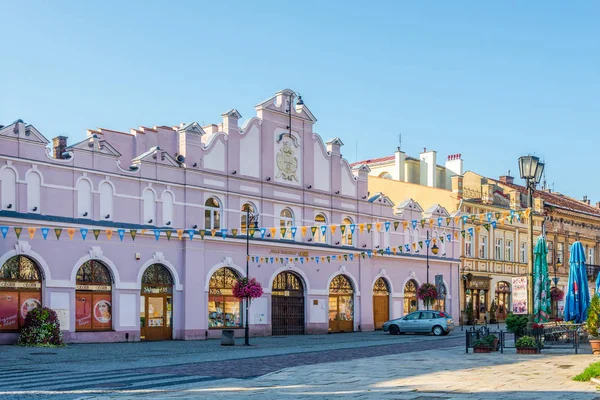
(499, 249)
(287, 222)
(253, 210)
(483, 246)
(590, 256)
(510, 250)
(523, 250)
(347, 237)
(319, 237)
(213, 211)
(468, 245)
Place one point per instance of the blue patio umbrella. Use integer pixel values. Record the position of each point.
(598, 285)
(577, 299)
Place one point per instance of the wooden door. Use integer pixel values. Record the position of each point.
(381, 310)
(158, 317)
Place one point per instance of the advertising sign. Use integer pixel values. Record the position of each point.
(9, 310)
(519, 295)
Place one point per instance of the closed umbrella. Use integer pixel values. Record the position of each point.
(541, 289)
(598, 285)
(577, 299)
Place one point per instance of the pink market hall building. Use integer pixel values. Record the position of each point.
(141, 235)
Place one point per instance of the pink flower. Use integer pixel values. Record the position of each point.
(247, 289)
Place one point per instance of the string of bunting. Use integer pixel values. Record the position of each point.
(493, 219)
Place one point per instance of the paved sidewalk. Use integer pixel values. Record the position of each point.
(432, 374)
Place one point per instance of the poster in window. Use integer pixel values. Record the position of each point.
(519, 295)
(29, 301)
(102, 311)
(9, 310)
(83, 311)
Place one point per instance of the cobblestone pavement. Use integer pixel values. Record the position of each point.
(360, 365)
(101, 368)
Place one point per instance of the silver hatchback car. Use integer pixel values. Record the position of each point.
(429, 321)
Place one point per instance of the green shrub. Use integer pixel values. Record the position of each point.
(516, 324)
(593, 317)
(592, 371)
(469, 311)
(482, 343)
(41, 329)
(526, 341)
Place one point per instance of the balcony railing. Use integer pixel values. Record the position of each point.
(592, 272)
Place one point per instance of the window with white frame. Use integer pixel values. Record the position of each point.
(149, 200)
(168, 208)
(347, 235)
(286, 220)
(106, 201)
(468, 245)
(483, 246)
(9, 189)
(591, 256)
(84, 199)
(510, 250)
(248, 208)
(212, 214)
(320, 222)
(499, 249)
(550, 255)
(569, 253)
(560, 252)
(523, 252)
(34, 187)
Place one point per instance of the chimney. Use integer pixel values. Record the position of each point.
(586, 200)
(59, 144)
(454, 166)
(428, 173)
(598, 204)
(507, 179)
(457, 186)
(400, 162)
(487, 193)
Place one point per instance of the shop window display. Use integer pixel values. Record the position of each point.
(224, 310)
(93, 297)
(20, 291)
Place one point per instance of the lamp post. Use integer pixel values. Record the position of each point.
(251, 218)
(555, 264)
(531, 169)
(434, 250)
(290, 104)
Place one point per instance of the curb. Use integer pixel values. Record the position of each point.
(595, 380)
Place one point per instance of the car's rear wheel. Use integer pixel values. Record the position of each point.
(394, 330)
(438, 330)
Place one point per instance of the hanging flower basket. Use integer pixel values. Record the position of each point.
(247, 289)
(557, 294)
(427, 292)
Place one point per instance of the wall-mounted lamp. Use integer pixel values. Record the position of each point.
(309, 187)
(85, 214)
(195, 164)
(364, 246)
(268, 235)
(268, 178)
(377, 246)
(337, 243)
(168, 223)
(34, 208)
(107, 216)
(150, 220)
(337, 192)
(195, 227)
(9, 206)
(364, 197)
(310, 239)
(234, 172)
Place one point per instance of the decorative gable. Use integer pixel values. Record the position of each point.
(436, 211)
(409, 205)
(381, 198)
(19, 130)
(156, 155)
(279, 104)
(192, 127)
(96, 145)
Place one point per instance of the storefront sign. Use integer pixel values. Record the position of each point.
(20, 285)
(157, 289)
(96, 288)
(519, 295)
(289, 252)
(479, 283)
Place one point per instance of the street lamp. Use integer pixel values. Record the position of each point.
(531, 170)
(251, 218)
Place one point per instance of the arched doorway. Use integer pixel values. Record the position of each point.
(381, 302)
(502, 299)
(20, 291)
(287, 305)
(223, 307)
(93, 297)
(410, 297)
(341, 305)
(156, 304)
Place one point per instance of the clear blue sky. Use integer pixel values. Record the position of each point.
(490, 81)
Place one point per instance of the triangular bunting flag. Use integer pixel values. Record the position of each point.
(333, 229)
(31, 232)
(361, 228)
(213, 232)
(282, 232)
(462, 233)
(313, 230)
(396, 224)
(84, 232)
(157, 234)
(407, 247)
(378, 226)
(202, 233)
(486, 226)
(121, 233)
(273, 232)
(420, 244)
(251, 230)
(179, 234)
(422, 223)
(442, 239)
(133, 233)
(414, 223)
(440, 221)
(323, 230)
(494, 224)
(456, 220)
(369, 226)
(481, 216)
(168, 233)
(224, 233)
(471, 231)
(58, 232)
(431, 223)
(96, 233)
(303, 231)
(489, 216)
(4, 230)
(343, 229)
(294, 229)
(18, 231)
(45, 232)
(71, 233)
(234, 232)
(387, 226)
(404, 225)
(262, 232)
(352, 228)
(109, 233)
(427, 242)
(191, 233)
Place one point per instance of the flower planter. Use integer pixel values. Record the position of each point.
(527, 350)
(595, 346)
(482, 349)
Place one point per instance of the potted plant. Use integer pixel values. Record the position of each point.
(593, 324)
(516, 324)
(41, 329)
(427, 293)
(493, 339)
(493, 309)
(247, 289)
(482, 346)
(469, 313)
(526, 345)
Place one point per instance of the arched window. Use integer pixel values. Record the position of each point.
(34, 187)
(381, 288)
(248, 208)
(415, 239)
(93, 297)
(502, 300)
(223, 307)
(20, 291)
(286, 220)
(341, 304)
(320, 222)
(9, 189)
(106, 201)
(212, 214)
(168, 204)
(347, 235)
(149, 200)
(410, 297)
(84, 199)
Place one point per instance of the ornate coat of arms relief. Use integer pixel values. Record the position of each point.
(287, 163)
